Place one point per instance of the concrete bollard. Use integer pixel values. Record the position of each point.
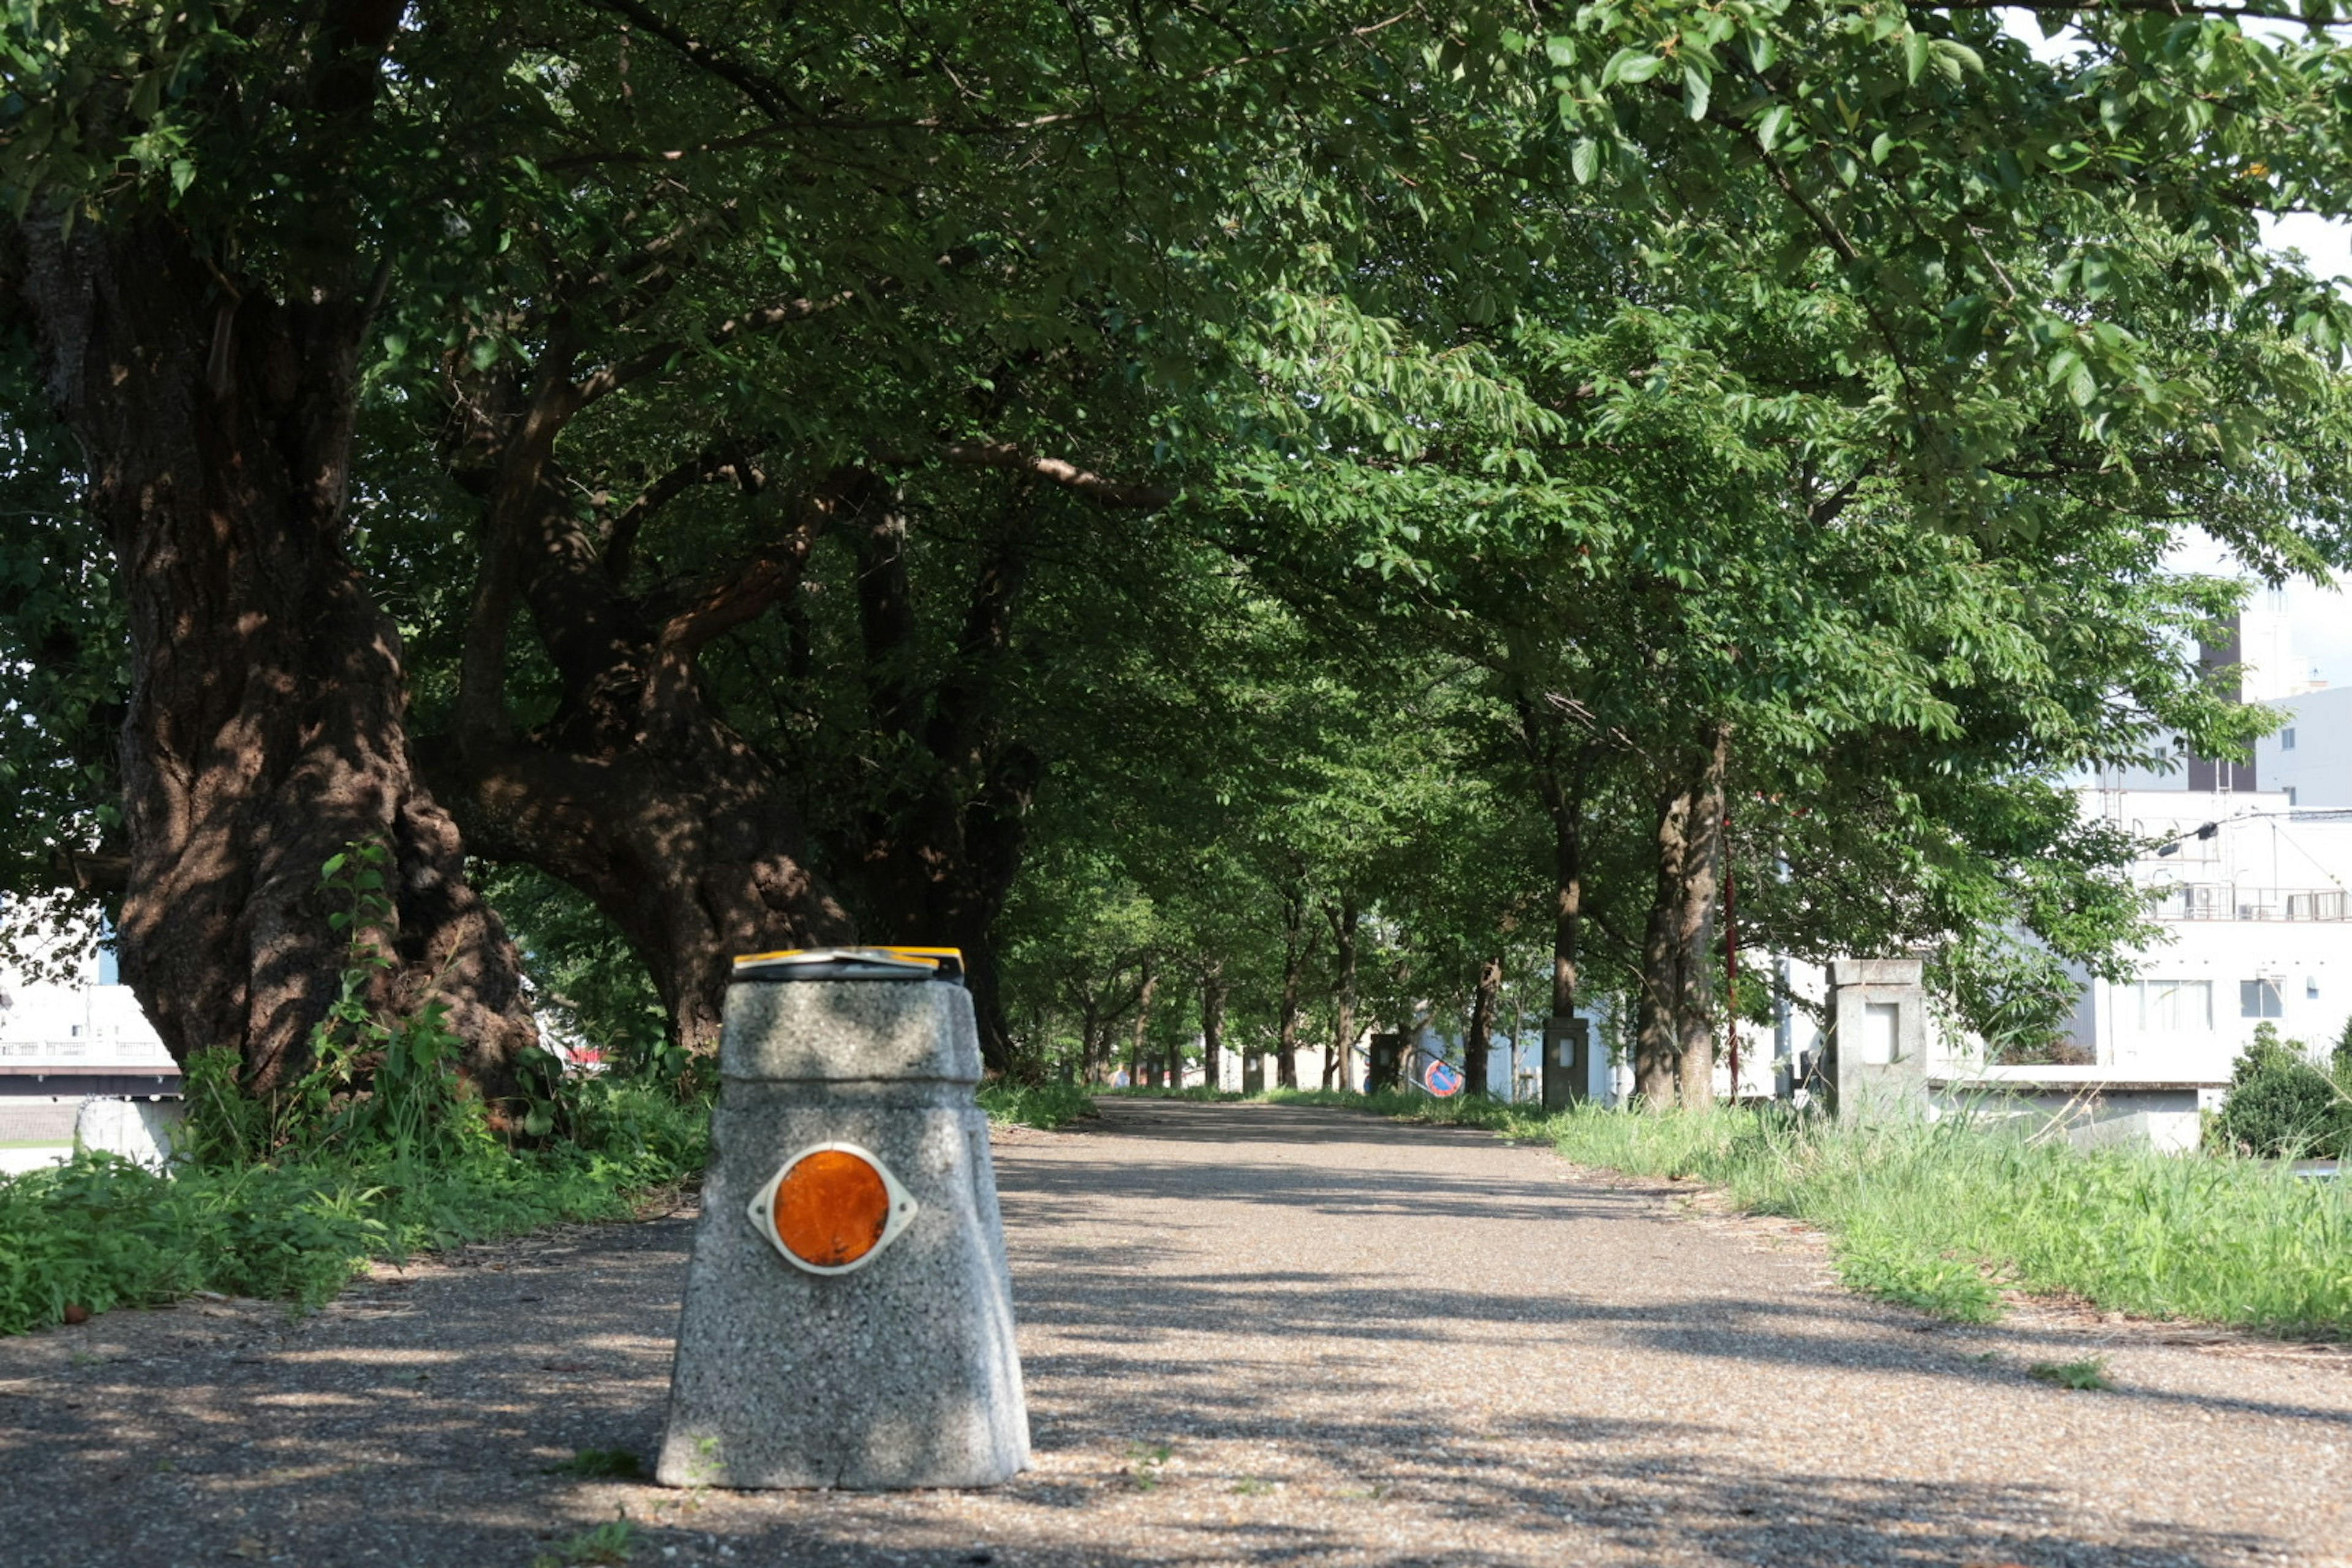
(893, 1367)
(1567, 1062)
(1877, 1065)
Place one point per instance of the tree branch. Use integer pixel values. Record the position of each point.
(612, 377)
(729, 462)
(1004, 456)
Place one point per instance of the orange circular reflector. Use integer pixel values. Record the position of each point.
(831, 1208)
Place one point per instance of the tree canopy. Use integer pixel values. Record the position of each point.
(1253, 520)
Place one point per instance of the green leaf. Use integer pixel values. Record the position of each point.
(1584, 160)
(1914, 55)
(1696, 89)
(1632, 66)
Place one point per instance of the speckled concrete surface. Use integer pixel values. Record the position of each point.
(1251, 1334)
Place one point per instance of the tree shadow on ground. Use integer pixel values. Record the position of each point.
(417, 1422)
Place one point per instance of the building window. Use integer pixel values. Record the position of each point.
(2260, 999)
(2311, 987)
(2286, 739)
(2176, 1006)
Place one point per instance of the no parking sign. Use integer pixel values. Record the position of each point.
(1443, 1079)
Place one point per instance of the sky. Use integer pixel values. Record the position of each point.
(2320, 618)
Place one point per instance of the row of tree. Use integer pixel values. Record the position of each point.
(1266, 503)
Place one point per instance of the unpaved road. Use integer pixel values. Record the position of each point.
(1252, 1334)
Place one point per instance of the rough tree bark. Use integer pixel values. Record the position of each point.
(1294, 963)
(636, 791)
(937, 855)
(1674, 1037)
(1136, 1069)
(1476, 1040)
(1695, 927)
(268, 724)
(1212, 1022)
(1656, 1043)
(1344, 918)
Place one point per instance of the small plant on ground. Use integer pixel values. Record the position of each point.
(609, 1544)
(2078, 1375)
(1144, 1461)
(1044, 1105)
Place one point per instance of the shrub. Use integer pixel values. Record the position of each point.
(2279, 1105)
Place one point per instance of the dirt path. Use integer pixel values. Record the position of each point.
(1252, 1334)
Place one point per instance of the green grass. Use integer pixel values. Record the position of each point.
(1045, 1105)
(608, 1545)
(1946, 1216)
(1949, 1217)
(2083, 1376)
(100, 1233)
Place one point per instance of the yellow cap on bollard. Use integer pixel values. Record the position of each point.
(832, 1208)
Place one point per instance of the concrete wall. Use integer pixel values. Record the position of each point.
(2311, 759)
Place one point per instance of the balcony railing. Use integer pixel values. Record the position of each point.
(2233, 901)
(83, 1051)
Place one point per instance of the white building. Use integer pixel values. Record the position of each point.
(2257, 927)
(64, 1041)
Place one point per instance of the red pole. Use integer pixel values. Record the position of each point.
(1731, 961)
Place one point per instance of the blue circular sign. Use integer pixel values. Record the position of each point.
(1443, 1079)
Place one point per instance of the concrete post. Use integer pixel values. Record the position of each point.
(899, 1371)
(1567, 1062)
(1876, 1064)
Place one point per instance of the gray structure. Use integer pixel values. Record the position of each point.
(1567, 1062)
(903, 1373)
(1877, 1058)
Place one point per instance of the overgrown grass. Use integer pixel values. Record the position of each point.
(1045, 1105)
(100, 1233)
(1947, 1216)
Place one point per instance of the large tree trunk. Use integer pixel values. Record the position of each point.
(939, 854)
(1344, 918)
(1476, 1038)
(1695, 928)
(1213, 1023)
(1135, 1054)
(1568, 898)
(637, 793)
(1294, 961)
(1657, 1047)
(268, 721)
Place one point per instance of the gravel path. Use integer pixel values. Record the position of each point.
(1252, 1334)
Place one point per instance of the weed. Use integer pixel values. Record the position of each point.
(1045, 1105)
(1946, 1216)
(2077, 1374)
(1144, 1461)
(1250, 1485)
(602, 1463)
(608, 1544)
(101, 1233)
